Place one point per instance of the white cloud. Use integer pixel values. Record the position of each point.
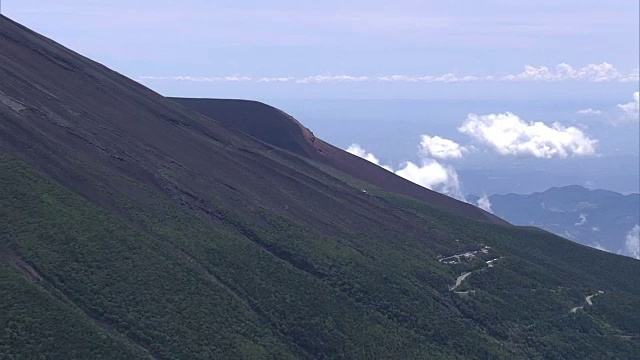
(441, 148)
(599, 247)
(357, 150)
(200, 78)
(633, 76)
(632, 243)
(430, 174)
(485, 204)
(631, 110)
(433, 175)
(507, 134)
(404, 78)
(445, 78)
(589, 111)
(603, 72)
(582, 220)
(531, 73)
(319, 79)
(276, 79)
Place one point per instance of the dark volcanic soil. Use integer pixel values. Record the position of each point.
(279, 129)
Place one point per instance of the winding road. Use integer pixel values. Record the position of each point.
(455, 259)
(575, 309)
(459, 281)
(588, 300)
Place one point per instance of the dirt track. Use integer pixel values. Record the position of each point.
(588, 300)
(459, 281)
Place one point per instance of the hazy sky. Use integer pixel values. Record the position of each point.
(360, 48)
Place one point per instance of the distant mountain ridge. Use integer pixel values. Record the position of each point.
(598, 218)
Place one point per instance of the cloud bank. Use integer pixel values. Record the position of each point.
(596, 245)
(433, 175)
(589, 111)
(440, 148)
(428, 173)
(603, 72)
(485, 204)
(632, 243)
(507, 134)
(358, 151)
(631, 110)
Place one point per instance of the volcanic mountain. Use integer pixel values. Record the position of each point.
(132, 226)
(279, 129)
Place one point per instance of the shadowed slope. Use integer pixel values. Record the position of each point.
(279, 129)
(259, 120)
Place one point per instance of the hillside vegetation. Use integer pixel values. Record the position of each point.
(132, 227)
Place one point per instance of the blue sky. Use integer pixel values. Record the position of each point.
(355, 49)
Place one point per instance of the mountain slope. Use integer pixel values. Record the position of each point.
(154, 231)
(279, 129)
(591, 217)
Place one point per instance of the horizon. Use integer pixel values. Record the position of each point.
(413, 49)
